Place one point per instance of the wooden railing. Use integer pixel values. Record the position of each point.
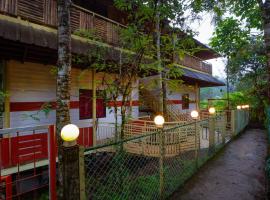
(194, 63)
(44, 12)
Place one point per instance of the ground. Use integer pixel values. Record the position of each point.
(237, 173)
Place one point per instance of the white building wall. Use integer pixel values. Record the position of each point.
(32, 83)
(174, 93)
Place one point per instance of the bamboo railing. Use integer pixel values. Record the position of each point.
(179, 136)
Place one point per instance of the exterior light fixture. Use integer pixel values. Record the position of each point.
(194, 114)
(159, 121)
(242, 107)
(239, 107)
(69, 134)
(212, 110)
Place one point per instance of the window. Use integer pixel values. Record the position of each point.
(85, 104)
(185, 101)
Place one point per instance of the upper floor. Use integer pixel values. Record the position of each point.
(98, 15)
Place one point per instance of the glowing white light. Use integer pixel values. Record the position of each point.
(159, 121)
(194, 114)
(70, 133)
(212, 110)
(239, 107)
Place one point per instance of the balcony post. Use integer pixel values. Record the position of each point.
(94, 107)
(197, 96)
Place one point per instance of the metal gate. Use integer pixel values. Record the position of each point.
(28, 163)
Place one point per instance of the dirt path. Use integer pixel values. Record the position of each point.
(236, 174)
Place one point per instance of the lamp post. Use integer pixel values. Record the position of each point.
(159, 122)
(195, 115)
(212, 112)
(71, 174)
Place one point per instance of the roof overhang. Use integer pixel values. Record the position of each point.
(203, 79)
(32, 42)
(206, 53)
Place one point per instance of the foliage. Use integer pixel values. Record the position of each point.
(229, 37)
(212, 93)
(236, 98)
(246, 62)
(249, 11)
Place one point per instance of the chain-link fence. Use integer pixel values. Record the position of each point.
(153, 165)
(267, 167)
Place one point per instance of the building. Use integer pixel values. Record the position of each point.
(30, 60)
(28, 56)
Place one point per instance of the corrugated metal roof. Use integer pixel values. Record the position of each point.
(205, 80)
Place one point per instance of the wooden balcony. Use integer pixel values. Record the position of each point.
(195, 63)
(44, 12)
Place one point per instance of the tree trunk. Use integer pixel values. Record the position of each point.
(160, 76)
(63, 77)
(266, 19)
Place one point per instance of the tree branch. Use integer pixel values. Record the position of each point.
(261, 5)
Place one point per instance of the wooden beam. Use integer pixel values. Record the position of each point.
(197, 96)
(94, 107)
(7, 98)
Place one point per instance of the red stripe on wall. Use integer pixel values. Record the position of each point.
(33, 106)
(119, 103)
(178, 101)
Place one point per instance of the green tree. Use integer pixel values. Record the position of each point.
(246, 61)
(254, 13)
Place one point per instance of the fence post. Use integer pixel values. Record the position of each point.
(71, 174)
(233, 123)
(161, 162)
(52, 162)
(224, 122)
(196, 144)
(82, 174)
(211, 135)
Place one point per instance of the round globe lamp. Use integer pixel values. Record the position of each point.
(212, 110)
(69, 134)
(194, 114)
(159, 121)
(239, 107)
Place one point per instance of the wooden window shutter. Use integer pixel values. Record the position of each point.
(185, 101)
(85, 104)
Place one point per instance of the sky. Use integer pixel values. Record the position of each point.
(205, 31)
